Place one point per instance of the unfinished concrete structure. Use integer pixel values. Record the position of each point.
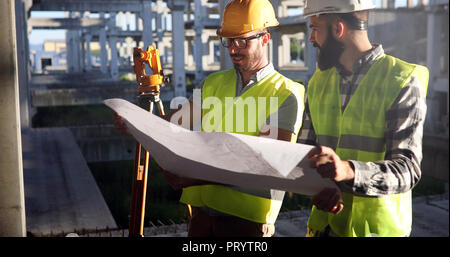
(417, 33)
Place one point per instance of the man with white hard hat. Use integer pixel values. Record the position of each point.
(365, 112)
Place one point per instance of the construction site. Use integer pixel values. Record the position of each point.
(64, 171)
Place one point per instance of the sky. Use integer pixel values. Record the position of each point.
(38, 36)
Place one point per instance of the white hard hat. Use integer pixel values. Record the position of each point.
(316, 7)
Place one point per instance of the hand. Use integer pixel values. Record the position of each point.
(329, 200)
(119, 125)
(329, 165)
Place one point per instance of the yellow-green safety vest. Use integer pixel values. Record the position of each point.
(357, 133)
(222, 111)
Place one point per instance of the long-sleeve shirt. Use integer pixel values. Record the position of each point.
(400, 170)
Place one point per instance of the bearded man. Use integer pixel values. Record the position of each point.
(365, 112)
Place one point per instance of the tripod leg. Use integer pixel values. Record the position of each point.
(136, 195)
(139, 190)
(160, 107)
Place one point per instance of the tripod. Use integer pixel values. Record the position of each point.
(140, 174)
(149, 89)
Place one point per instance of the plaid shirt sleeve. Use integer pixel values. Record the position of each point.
(307, 134)
(400, 171)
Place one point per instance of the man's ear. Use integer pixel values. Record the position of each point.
(266, 39)
(341, 28)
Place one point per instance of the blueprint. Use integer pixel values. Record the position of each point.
(227, 158)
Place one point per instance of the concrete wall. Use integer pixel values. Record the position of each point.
(402, 32)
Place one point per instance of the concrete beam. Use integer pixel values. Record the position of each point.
(88, 5)
(65, 23)
(438, 2)
(12, 202)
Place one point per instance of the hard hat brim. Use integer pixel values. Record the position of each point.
(237, 32)
(333, 10)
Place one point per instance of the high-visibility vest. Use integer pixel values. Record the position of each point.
(357, 133)
(244, 114)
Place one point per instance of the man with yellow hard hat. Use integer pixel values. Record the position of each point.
(231, 211)
(365, 112)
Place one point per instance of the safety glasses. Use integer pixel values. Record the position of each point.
(240, 43)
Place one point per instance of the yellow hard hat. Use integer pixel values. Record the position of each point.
(243, 16)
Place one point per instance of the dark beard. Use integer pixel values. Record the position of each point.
(330, 52)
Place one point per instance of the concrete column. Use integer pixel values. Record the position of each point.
(114, 68)
(410, 3)
(164, 20)
(275, 58)
(285, 50)
(23, 64)
(112, 41)
(225, 60)
(165, 57)
(103, 54)
(147, 30)
(187, 57)
(198, 44)
(76, 48)
(433, 63)
(83, 53)
(179, 74)
(136, 22)
(88, 38)
(75, 45)
(12, 200)
(391, 4)
(205, 53)
(158, 21)
(69, 53)
(210, 56)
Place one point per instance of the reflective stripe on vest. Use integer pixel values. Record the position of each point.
(358, 134)
(261, 206)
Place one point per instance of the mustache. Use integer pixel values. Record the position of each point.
(236, 55)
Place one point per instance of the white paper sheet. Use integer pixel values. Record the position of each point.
(234, 159)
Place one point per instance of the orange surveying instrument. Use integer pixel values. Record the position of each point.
(149, 89)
